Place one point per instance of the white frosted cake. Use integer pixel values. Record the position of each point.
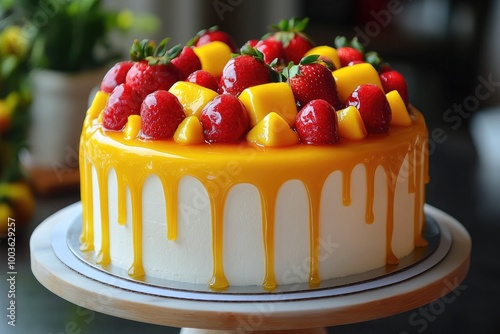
(275, 204)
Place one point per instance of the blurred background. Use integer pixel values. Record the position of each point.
(448, 50)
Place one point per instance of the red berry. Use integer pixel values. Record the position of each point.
(295, 42)
(122, 103)
(317, 124)
(161, 114)
(146, 79)
(312, 80)
(115, 76)
(373, 107)
(349, 54)
(271, 49)
(204, 78)
(393, 80)
(214, 34)
(186, 62)
(242, 72)
(252, 42)
(224, 119)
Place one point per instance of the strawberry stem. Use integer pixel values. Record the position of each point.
(148, 50)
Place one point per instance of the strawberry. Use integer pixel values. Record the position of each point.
(115, 76)
(271, 49)
(153, 69)
(393, 80)
(123, 102)
(290, 34)
(161, 114)
(224, 119)
(373, 107)
(186, 62)
(243, 71)
(311, 80)
(212, 34)
(349, 52)
(203, 78)
(317, 124)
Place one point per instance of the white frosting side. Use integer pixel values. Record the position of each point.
(348, 245)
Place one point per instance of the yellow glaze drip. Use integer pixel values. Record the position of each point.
(220, 166)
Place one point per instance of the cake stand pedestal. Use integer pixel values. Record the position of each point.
(206, 316)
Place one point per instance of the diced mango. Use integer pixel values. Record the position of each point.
(351, 124)
(272, 130)
(400, 115)
(263, 99)
(193, 97)
(133, 127)
(348, 78)
(189, 132)
(98, 104)
(325, 51)
(213, 57)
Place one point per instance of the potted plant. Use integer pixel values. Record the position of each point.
(69, 54)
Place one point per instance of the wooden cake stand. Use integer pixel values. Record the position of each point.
(310, 314)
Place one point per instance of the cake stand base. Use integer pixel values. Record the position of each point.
(209, 316)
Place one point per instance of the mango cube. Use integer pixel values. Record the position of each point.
(133, 127)
(263, 99)
(189, 132)
(348, 78)
(400, 115)
(193, 97)
(325, 51)
(272, 130)
(213, 57)
(351, 124)
(98, 104)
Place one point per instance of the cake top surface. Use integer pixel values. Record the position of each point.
(277, 91)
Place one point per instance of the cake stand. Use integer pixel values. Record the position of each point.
(290, 311)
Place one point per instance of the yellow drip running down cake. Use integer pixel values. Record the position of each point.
(285, 164)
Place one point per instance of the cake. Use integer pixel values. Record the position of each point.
(285, 163)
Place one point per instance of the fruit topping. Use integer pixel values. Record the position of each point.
(317, 123)
(271, 97)
(133, 127)
(193, 97)
(272, 131)
(224, 119)
(351, 124)
(272, 50)
(350, 77)
(326, 53)
(400, 115)
(186, 62)
(243, 71)
(189, 132)
(349, 52)
(161, 113)
(213, 34)
(311, 80)
(204, 79)
(393, 80)
(290, 33)
(123, 102)
(213, 57)
(373, 107)
(115, 76)
(153, 69)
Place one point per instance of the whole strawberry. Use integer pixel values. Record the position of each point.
(161, 114)
(212, 34)
(153, 69)
(123, 102)
(312, 79)
(272, 50)
(243, 71)
(224, 120)
(115, 76)
(204, 79)
(317, 124)
(290, 33)
(186, 62)
(349, 52)
(373, 107)
(393, 80)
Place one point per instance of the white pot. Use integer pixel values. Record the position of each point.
(60, 101)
